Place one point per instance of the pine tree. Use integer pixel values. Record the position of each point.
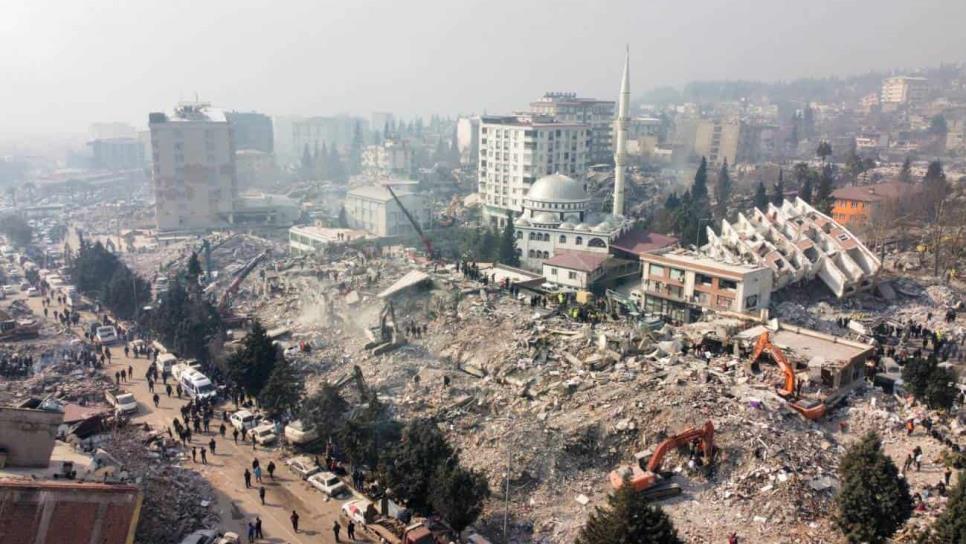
(324, 410)
(355, 153)
(283, 391)
(508, 244)
(761, 196)
(628, 519)
(951, 524)
(343, 218)
(722, 192)
(824, 151)
(306, 167)
(194, 268)
(779, 194)
(806, 192)
(321, 165)
(423, 448)
(905, 173)
(874, 501)
(488, 249)
(457, 495)
(672, 202)
(699, 189)
(337, 171)
(935, 188)
(823, 197)
(251, 366)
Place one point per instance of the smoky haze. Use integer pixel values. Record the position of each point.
(67, 64)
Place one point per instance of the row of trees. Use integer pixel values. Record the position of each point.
(932, 384)
(100, 275)
(16, 229)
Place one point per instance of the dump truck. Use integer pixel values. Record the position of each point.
(648, 479)
(376, 526)
(122, 402)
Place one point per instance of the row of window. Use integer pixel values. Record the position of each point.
(570, 273)
(537, 254)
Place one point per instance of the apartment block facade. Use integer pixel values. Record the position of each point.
(597, 114)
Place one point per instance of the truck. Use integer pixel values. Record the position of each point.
(376, 526)
(122, 402)
(165, 362)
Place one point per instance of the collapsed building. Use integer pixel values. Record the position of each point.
(797, 242)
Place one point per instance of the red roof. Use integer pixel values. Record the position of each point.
(584, 261)
(888, 190)
(640, 242)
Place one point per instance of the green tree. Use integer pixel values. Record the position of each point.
(950, 526)
(935, 188)
(722, 192)
(699, 188)
(422, 449)
(930, 383)
(905, 173)
(337, 171)
(194, 268)
(325, 410)
(369, 433)
(343, 220)
(874, 501)
(628, 518)
(306, 165)
(824, 151)
(508, 244)
(761, 196)
(283, 391)
(938, 126)
(355, 151)
(251, 366)
(488, 250)
(823, 196)
(16, 229)
(779, 196)
(457, 494)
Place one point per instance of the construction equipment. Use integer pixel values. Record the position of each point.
(422, 236)
(648, 479)
(239, 278)
(811, 409)
(386, 336)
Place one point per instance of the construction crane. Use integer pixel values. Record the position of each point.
(239, 278)
(646, 478)
(811, 409)
(422, 236)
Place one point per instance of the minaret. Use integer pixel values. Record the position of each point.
(620, 151)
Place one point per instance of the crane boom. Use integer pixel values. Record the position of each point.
(242, 274)
(422, 236)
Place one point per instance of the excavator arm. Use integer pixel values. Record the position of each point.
(704, 433)
(764, 345)
(422, 236)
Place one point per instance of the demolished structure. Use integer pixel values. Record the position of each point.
(797, 242)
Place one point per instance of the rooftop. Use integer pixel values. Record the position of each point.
(809, 344)
(888, 190)
(329, 234)
(687, 258)
(378, 192)
(583, 261)
(640, 242)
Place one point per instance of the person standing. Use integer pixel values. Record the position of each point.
(258, 474)
(258, 528)
(248, 479)
(204, 456)
(261, 494)
(335, 530)
(211, 445)
(295, 520)
(156, 399)
(235, 434)
(194, 454)
(350, 530)
(251, 531)
(946, 475)
(271, 470)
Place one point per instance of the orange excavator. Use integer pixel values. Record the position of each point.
(811, 409)
(649, 479)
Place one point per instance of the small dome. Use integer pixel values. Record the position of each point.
(567, 225)
(522, 221)
(557, 188)
(603, 227)
(545, 217)
(583, 226)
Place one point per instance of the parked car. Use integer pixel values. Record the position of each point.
(33, 292)
(106, 335)
(211, 536)
(263, 434)
(303, 466)
(243, 420)
(328, 483)
(10, 289)
(297, 433)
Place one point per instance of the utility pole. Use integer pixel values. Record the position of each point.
(506, 499)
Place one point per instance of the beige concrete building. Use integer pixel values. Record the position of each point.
(679, 284)
(194, 174)
(596, 114)
(904, 90)
(254, 168)
(391, 158)
(28, 435)
(718, 139)
(372, 208)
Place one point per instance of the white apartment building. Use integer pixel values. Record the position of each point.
(904, 90)
(468, 139)
(193, 154)
(517, 150)
(372, 208)
(598, 114)
(392, 158)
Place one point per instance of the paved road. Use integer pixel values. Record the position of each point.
(225, 469)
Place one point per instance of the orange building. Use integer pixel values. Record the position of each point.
(856, 204)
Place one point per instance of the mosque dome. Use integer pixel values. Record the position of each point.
(567, 225)
(522, 221)
(545, 218)
(557, 188)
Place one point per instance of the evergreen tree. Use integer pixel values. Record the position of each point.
(325, 410)
(283, 391)
(935, 188)
(761, 196)
(905, 173)
(824, 151)
(672, 202)
(628, 519)
(385, 131)
(355, 153)
(343, 218)
(699, 189)
(874, 501)
(251, 366)
(508, 244)
(932, 384)
(194, 268)
(779, 194)
(722, 192)
(368, 434)
(806, 192)
(337, 171)
(321, 164)
(17, 230)
(950, 527)
(457, 495)
(823, 197)
(489, 246)
(804, 175)
(423, 448)
(306, 167)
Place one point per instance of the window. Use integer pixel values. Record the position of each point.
(563, 239)
(571, 275)
(702, 279)
(596, 242)
(579, 241)
(553, 271)
(530, 253)
(751, 302)
(657, 270)
(532, 235)
(727, 284)
(677, 274)
(725, 302)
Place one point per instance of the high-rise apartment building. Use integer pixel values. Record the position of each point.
(598, 114)
(194, 178)
(903, 90)
(468, 139)
(516, 150)
(252, 131)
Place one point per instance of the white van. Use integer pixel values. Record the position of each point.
(165, 362)
(180, 369)
(197, 385)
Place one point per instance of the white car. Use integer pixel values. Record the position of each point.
(303, 466)
(242, 420)
(33, 292)
(263, 434)
(297, 433)
(106, 335)
(328, 483)
(9, 289)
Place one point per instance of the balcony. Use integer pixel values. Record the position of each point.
(666, 292)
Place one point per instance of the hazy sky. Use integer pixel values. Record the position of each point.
(65, 64)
